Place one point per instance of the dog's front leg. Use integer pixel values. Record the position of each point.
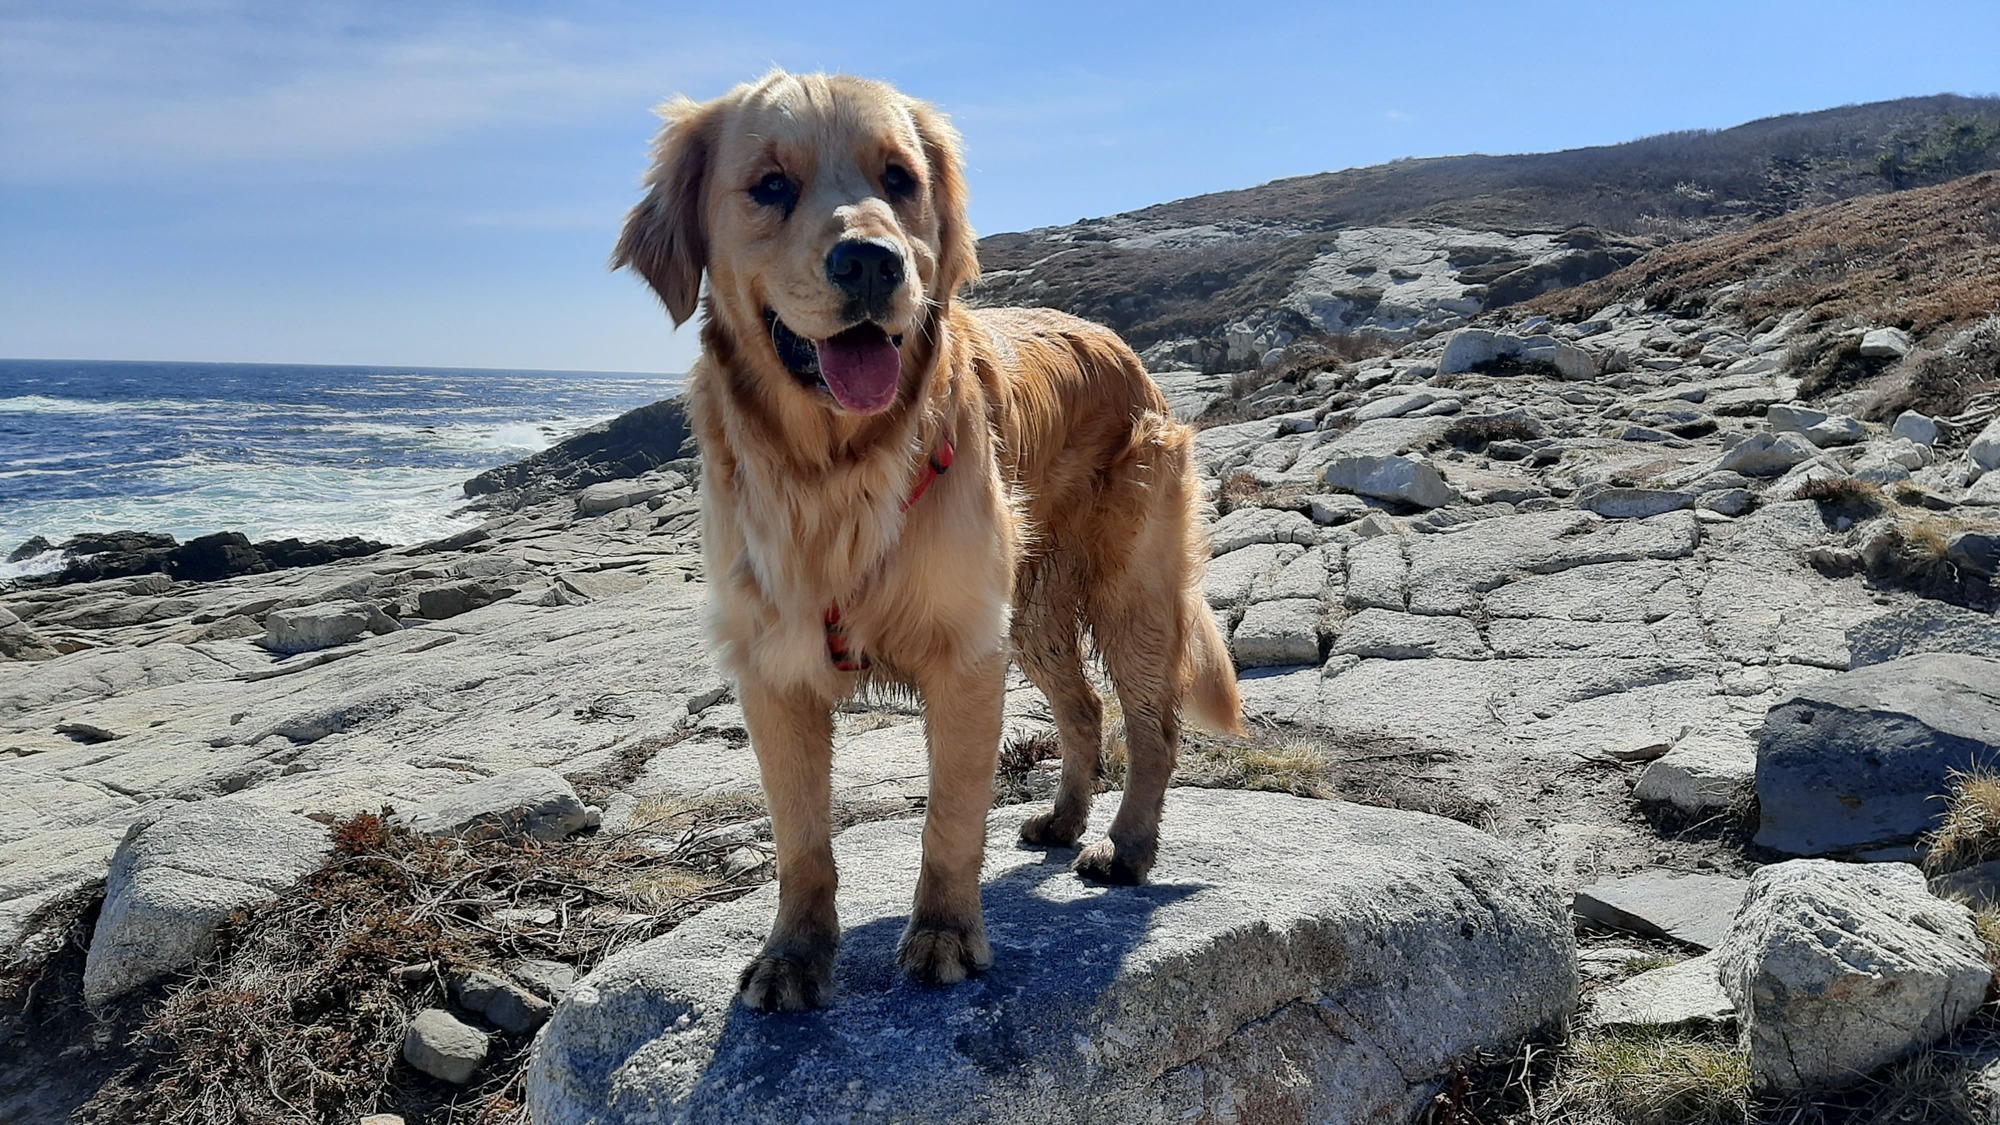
(946, 938)
(792, 732)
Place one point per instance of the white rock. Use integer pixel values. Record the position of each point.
(1706, 770)
(1276, 633)
(442, 1047)
(1985, 449)
(1394, 477)
(1290, 960)
(1885, 343)
(1837, 969)
(1767, 455)
(176, 879)
(1245, 526)
(316, 626)
(1684, 993)
(1912, 426)
(1818, 427)
(535, 803)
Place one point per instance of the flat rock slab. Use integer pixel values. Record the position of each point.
(1290, 959)
(1686, 993)
(1694, 909)
(1858, 759)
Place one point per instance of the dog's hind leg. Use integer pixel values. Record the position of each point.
(792, 733)
(1049, 645)
(1143, 672)
(946, 937)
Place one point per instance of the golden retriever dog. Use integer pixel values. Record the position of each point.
(895, 487)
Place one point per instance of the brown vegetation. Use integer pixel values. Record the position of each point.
(1924, 260)
(300, 1012)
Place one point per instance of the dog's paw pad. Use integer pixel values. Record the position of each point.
(943, 956)
(1045, 830)
(1103, 862)
(780, 984)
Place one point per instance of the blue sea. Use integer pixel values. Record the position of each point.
(273, 450)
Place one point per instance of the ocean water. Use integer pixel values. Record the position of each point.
(273, 450)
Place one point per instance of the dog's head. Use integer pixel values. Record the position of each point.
(829, 215)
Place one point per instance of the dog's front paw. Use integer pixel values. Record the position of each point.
(1106, 862)
(787, 983)
(1048, 831)
(939, 955)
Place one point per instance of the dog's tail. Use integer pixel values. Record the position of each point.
(1208, 674)
(1208, 689)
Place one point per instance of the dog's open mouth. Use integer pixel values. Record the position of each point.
(860, 367)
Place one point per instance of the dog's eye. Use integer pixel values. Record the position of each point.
(898, 182)
(775, 190)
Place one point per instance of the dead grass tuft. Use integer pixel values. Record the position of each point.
(1831, 360)
(300, 1012)
(1970, 832)
(1624, 1077)
(1474, 434)
(1913, 556)
(1851, 497)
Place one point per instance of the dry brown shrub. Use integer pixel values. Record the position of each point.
(299, 1014)
(1970, 831)
(1852, 497)
(1925, 259)
(1475, 434)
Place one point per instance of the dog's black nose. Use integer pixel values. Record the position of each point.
(865, 271)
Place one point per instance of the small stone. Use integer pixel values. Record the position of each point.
(505, 1004)
(1912, 426)
(381, 1119)
(442, 1047)
(1767, 455)
(1885, 343)
(1393, 477)
(1705, 771)
(1275, 633)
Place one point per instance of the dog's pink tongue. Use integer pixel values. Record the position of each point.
(861, 367)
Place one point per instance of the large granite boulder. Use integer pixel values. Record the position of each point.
(1860, 758)
(1290, 959)
(176, 879)
(1837, 969)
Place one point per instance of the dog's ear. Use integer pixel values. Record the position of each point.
(664, 237)
(958, 256)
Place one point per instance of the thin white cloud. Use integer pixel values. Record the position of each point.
(1399, 117)
(130, 93)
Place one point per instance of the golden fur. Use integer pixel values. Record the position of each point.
(1071, 515)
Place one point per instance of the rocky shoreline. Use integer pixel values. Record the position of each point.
(1568, 584)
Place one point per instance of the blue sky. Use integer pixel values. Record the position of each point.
(439, 183)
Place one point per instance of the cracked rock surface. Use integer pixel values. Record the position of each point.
(1289, 960)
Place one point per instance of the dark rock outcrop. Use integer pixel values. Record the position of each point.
(633, 443)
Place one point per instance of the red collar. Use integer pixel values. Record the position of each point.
(935, 466)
